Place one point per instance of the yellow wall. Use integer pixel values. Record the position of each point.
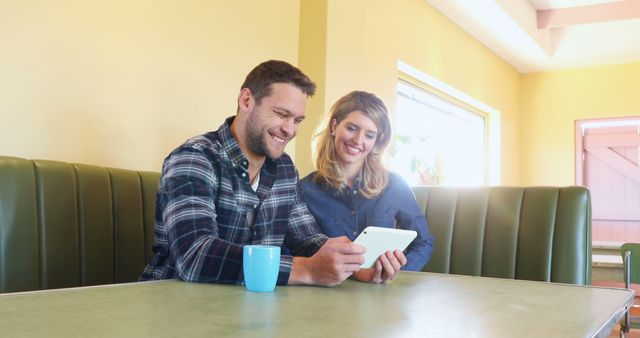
(312, 59)
(121, 83)
(551, 103)
(366, 38)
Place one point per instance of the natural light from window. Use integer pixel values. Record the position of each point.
(442, 141)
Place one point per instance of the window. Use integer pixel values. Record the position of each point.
(441, 139)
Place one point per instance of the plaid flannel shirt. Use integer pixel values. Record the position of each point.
(204, 196)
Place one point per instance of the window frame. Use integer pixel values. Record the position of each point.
(429, 84)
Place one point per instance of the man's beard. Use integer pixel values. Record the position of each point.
(255, 138)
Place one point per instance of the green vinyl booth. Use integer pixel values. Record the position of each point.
(66, 225)
(532, 233)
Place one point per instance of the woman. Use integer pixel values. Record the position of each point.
(352, 189)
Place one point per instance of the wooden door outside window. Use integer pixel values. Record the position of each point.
(607, 162)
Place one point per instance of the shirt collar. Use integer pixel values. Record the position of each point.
(345, 191)
(230, 146)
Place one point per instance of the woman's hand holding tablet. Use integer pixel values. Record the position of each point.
(379, 240)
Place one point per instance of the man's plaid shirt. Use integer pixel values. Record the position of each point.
(204, 196)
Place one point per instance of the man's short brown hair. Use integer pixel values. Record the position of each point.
(259, 80)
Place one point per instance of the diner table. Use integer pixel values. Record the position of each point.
(414, 304)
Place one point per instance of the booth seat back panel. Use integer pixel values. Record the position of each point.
(96, 224)
(128, 225)
(468, 232)
(19, 245)
(535, 236)
(440, 205)
(572, 239)
(69, 225)
(58, 224)
(501, 234)
(533, 233)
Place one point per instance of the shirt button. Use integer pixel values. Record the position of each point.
(244, 175)
(355, 233)
(355, 192)
(353, 212)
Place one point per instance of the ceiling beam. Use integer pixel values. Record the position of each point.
(562, 17)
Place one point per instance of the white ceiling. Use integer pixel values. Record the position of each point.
(544, 35)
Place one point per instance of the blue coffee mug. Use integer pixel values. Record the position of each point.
(261, 265)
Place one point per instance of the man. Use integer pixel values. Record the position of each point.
(236, 186)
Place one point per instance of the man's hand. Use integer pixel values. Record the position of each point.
(336, 260)
(385, 268)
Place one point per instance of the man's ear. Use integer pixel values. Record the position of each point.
(245, 100)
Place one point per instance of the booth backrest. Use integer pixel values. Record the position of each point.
(533, 233)
(64, 225)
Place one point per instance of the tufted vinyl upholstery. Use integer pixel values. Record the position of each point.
(533, 233)
(64, 225)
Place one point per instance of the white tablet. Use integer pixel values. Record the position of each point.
(379, 240)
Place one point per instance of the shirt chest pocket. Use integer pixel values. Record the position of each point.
(381, 218)
(335, 226)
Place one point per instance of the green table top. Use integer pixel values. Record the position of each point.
(414, 304)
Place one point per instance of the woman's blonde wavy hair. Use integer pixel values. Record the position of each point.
(374, 176)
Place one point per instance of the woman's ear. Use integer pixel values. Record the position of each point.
(333, 127)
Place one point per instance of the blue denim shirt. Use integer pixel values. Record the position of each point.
(347, 213)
